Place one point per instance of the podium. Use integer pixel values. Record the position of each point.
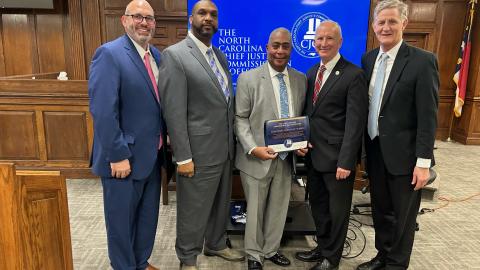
(34, 221)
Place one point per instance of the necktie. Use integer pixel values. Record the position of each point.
(146, 61)
(218, 74)
(318, 83)
(284, 111)
(376, 97)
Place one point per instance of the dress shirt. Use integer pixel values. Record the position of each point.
(141, 51)
(203, 49)
(329, 68)
(392, 54)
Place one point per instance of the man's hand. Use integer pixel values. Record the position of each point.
(187, 169)
(303, 151)
(264, 153)
(342, 173)
(420, 177)
(120, 169)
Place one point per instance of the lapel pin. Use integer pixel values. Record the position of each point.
(337, 73)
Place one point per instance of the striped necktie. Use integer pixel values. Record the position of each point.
(218, 74)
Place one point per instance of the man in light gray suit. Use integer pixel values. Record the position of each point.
(199, 111)
(271, 91)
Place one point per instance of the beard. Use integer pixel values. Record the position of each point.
(140, 39)
(204, 33)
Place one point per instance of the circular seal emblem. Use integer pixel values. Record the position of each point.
(288, 143)
(303, 33)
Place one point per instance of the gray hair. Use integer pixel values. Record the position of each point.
(280, 30)
(335, 25)
(386, 4)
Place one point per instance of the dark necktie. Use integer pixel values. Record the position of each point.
(318, 83)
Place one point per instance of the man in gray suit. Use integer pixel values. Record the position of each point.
(199, 110)
(271, 91)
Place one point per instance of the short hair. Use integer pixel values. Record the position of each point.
(335, 24)
(386, 4)
(282, 30)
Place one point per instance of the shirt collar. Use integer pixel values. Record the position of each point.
(203, 48)
(274, 73)
(331, 64)
(141, 51)
(392, 53)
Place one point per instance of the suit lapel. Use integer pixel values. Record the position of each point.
(332, 79)
(195, 51)
(267, 86)
(135, 57)
(397, 69)
(372, 57)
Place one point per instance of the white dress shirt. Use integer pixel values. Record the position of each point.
(392, 54)
(329, 68)
(203, 49)
(141, 51)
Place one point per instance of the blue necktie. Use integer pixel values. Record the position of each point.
(375, 103)
(218, 74)
(284, 111)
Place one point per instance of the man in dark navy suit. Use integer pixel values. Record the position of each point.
(128, 137)
(401, 128)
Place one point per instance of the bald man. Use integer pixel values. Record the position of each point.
(128, 137)
(198, 106)
(337, 105)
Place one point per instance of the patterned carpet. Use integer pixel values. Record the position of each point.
(449, 238)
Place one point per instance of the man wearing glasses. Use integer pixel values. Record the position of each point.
(128, 137)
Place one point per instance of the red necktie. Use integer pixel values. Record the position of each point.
(318, 83)
(146, 60)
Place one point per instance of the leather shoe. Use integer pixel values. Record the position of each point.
(279, 259)
(151, 267)
(254, 265)
(313, 255)
(324, 265)
(374, 264)
(227, 254)
(188, 267)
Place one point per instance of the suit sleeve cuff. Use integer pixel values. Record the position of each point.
(184, 161)
(424, 163)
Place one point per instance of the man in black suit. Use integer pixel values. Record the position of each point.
(336, 105)
(401, 127)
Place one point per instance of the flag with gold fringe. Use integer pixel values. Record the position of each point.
(461, 70)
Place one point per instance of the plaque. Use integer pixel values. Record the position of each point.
(287, 134)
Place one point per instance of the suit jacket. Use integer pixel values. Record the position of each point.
(408, 113)
(199, 119)
(127, 117)
(338, 118)
(255, 104)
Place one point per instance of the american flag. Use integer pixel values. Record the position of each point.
(461, 70)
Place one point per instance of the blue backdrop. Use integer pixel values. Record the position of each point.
(244, 27)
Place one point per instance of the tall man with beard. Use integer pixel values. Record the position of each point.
(199, 110)
(128, 137)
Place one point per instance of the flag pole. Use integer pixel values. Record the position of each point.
(452, 113)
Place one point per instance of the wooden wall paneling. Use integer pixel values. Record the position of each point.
(169, 31)
(445, 106)
(74, 35)
(173, 8)
(92, 32)
(17, 44)
(40, 124)
(113, 25)
(19, 135)
(50, 43)
(66, 135)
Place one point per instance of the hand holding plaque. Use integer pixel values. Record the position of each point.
(287, 134)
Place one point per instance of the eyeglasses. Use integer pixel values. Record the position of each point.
(137, 18)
